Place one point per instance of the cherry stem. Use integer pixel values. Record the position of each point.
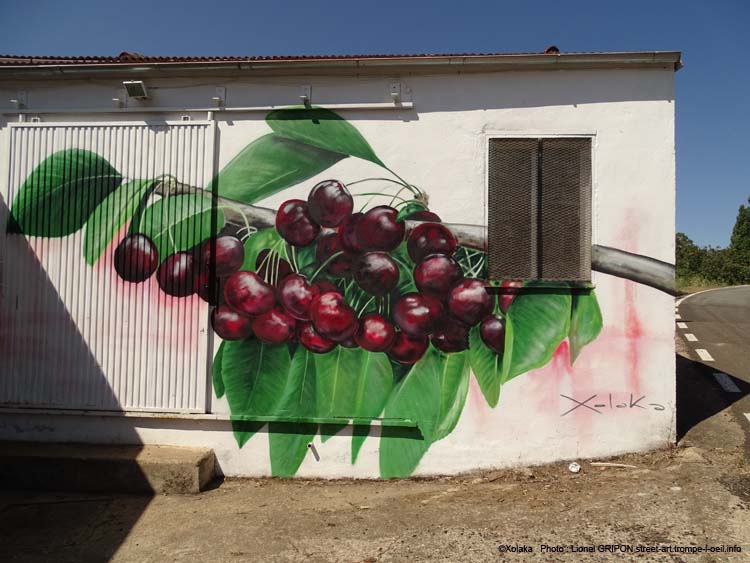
(381, 194)
(324, 264)
(373, 180)
(362, 310)
(414, 189)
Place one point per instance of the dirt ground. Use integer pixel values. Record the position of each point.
(693, 496)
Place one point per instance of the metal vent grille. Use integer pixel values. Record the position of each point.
(540, 209)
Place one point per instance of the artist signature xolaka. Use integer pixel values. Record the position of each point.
(599, 407)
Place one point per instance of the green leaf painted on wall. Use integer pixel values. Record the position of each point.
(255, 378)
(179, 223)
(454, 378)
(111, 214)
(321, 128)
(409, 208)
(255, 244)
(351, 383)
(585, 322)
(373, 385)
(536, 323)
(218, 382)
(487, 367)
(268, 165)
(432, 394)
(288, 441)
(60, 194)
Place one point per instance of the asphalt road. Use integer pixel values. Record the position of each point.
(714, 374)
(719, 321)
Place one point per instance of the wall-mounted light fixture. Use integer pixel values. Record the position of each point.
(220, 98)
(305, 94)
(396, 92)
(136, 89)
(20, 100)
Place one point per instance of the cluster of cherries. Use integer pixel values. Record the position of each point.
(278, 305)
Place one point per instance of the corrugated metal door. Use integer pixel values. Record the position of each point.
(75, 335)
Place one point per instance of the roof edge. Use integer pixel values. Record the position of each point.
(369, 64)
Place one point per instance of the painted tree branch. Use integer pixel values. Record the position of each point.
(634, 267)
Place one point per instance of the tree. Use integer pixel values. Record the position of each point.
(740, 241)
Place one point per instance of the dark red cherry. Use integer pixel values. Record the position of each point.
(379, 230)
(294, 224)
(348, 233)
(333, 317)
(274, 327)
(408, 349)
(451, 335)
(248, 294)
(330, 203)
(424, 215)
(375, 334)
(228, 251)
(436, 274)
(508, 291)
(325, 286)
(469, 301)
(212, 295)
(175, 275)
(328, 245)
(296, 295)
(136, 258)
(229, 324)
(312, 339)
(416, 314)
(266, 265)
(430, 238)
(492, 331)
(376, 273)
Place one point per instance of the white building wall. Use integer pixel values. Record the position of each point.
(441, 146)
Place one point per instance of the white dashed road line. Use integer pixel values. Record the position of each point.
(704, 355)
(726, 382)
(747, 415)
(681, 325)
(690, 337)
(677, 317)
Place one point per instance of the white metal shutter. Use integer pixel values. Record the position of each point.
(77, 336)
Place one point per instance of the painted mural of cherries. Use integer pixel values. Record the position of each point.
(492, 331)
(274, 327)
(294, 223)
(312, 339)
(430, 238)
(248, 294)
(469, 301)
(376, 273)
(508, 291)
(136, 258)
(417, 314)
(436, 274)
(378, 229)
(296, 295)
(408, 349)
(266, 265)
(328, 245)
(227, 253)
(450, 335)
(176, 274)
(375, 334)
(348, 233)
(277, 304)
(229, 324)
(333, 317)
(330, 203)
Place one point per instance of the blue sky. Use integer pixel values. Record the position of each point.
(713, 122)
